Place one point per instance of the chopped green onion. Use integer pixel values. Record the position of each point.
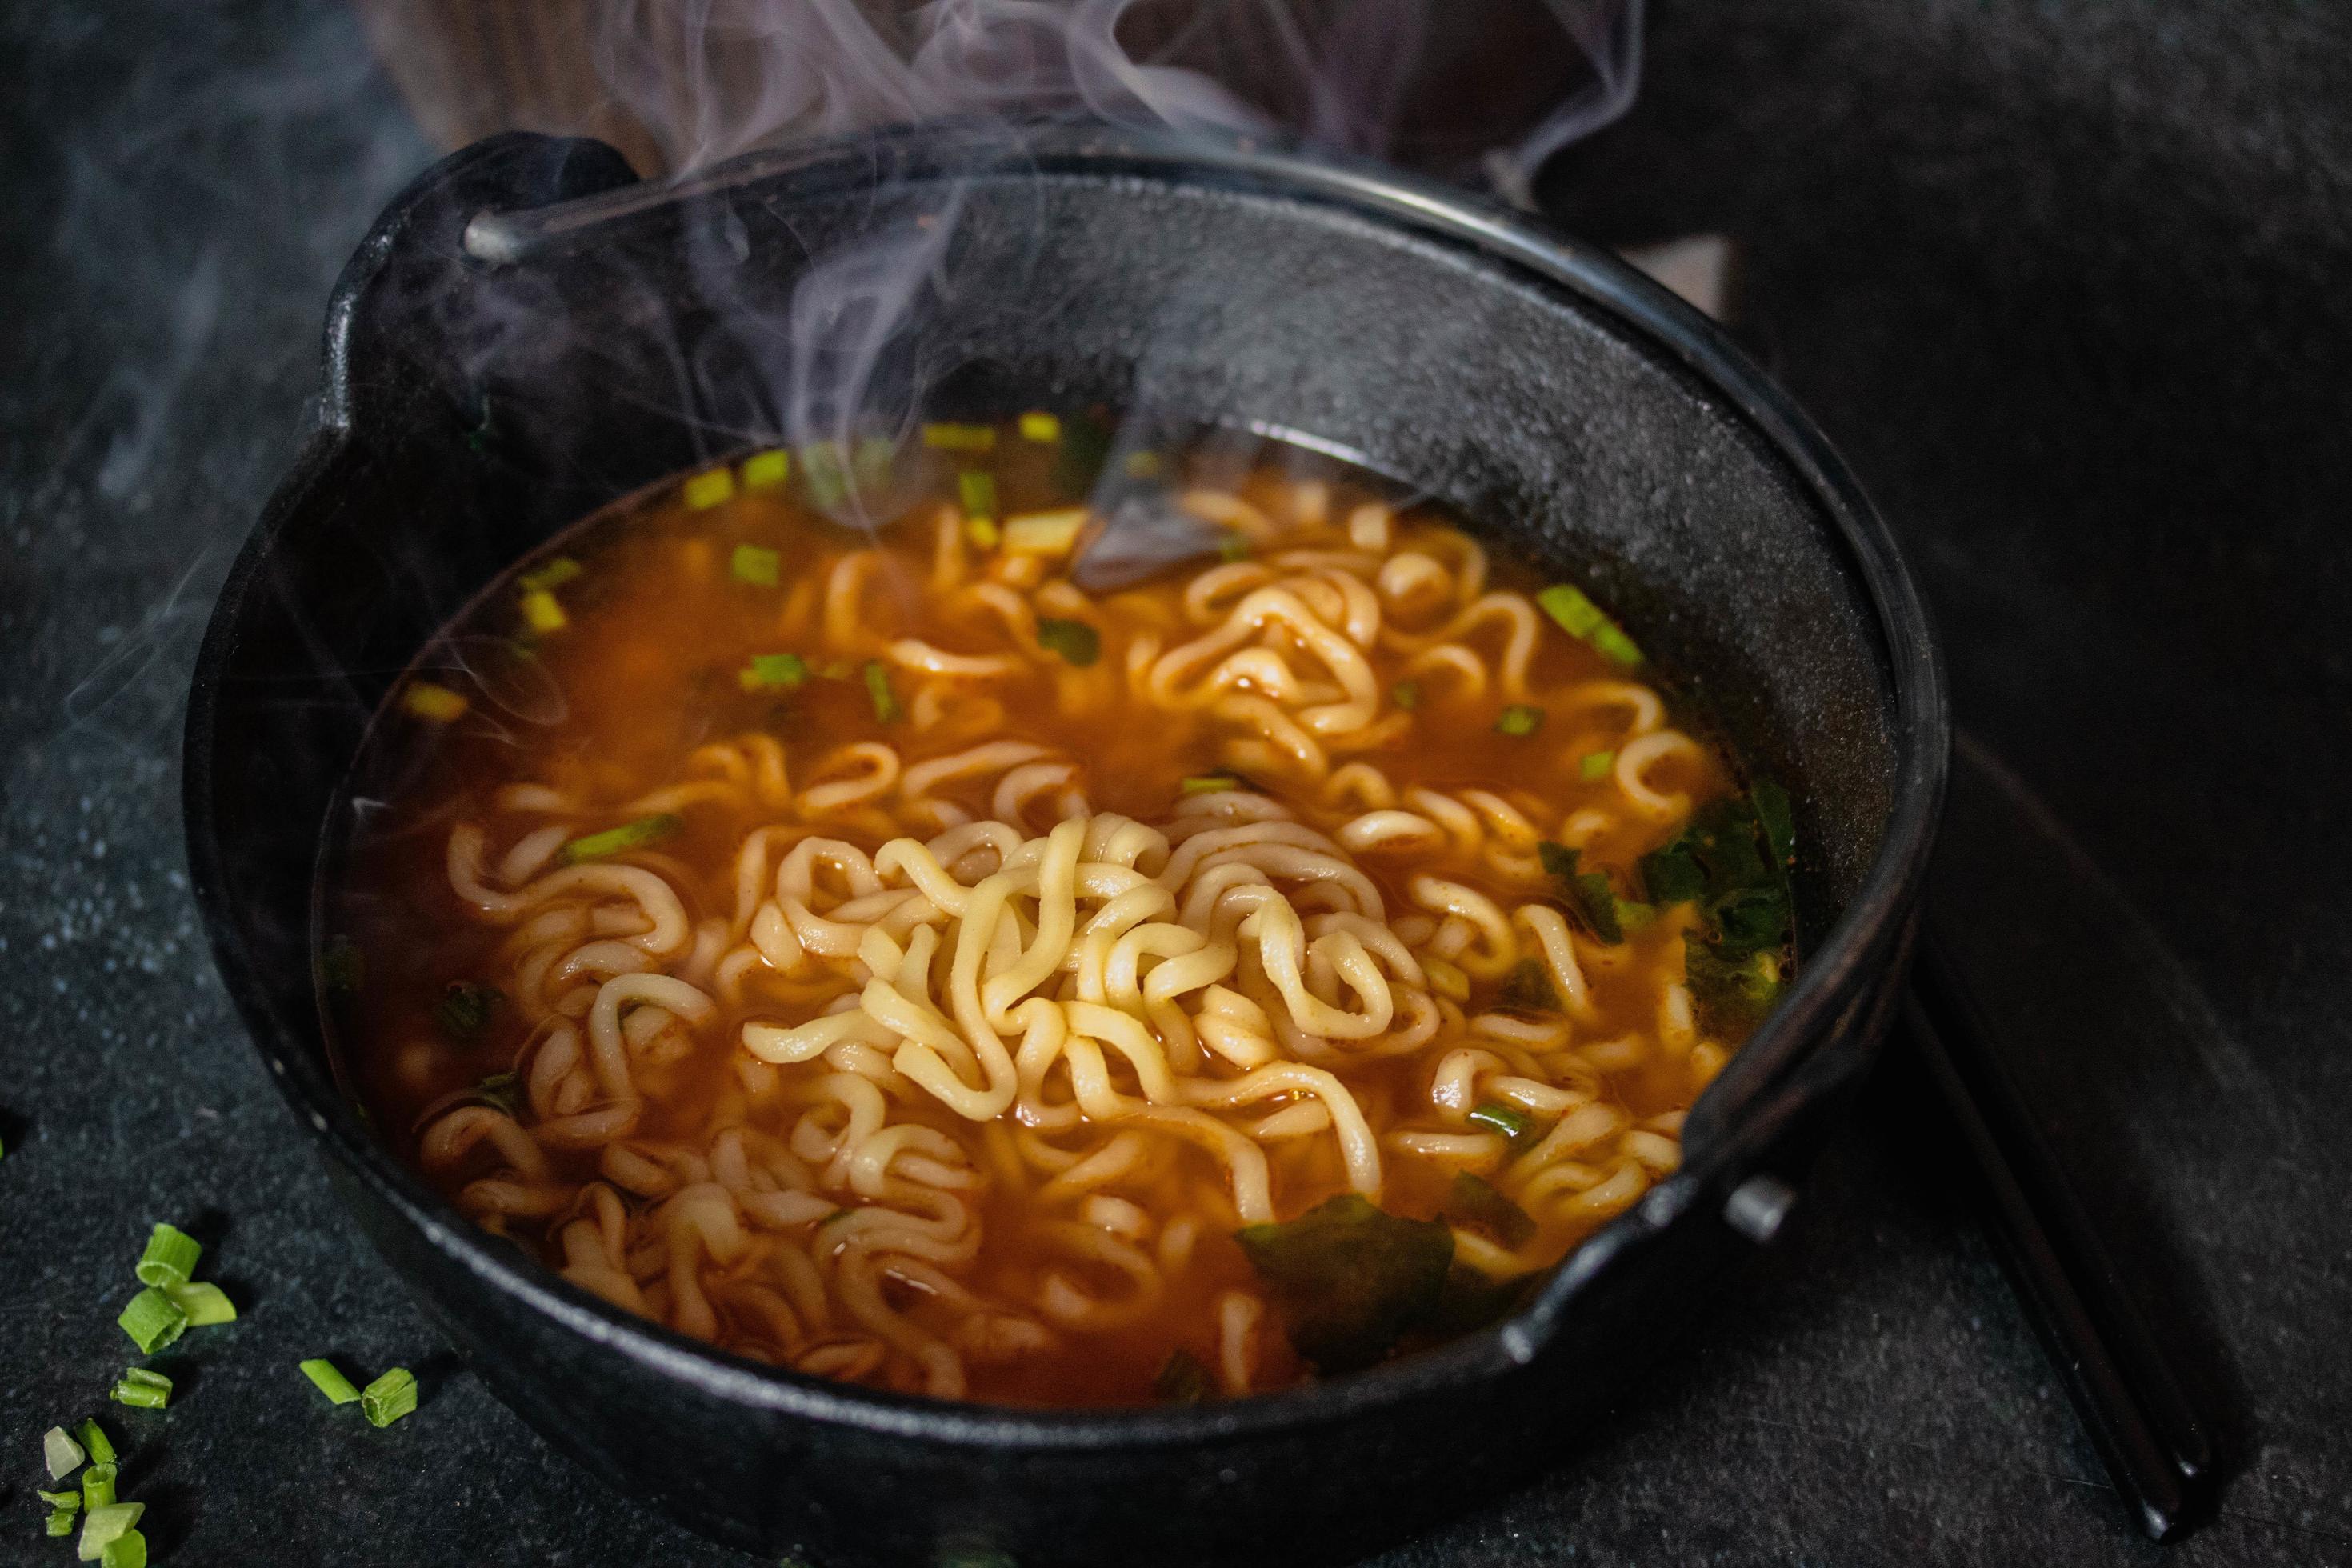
(878, 689)
(1496, 1117)
(983, 532)
(766, 470)
(752, 564)
(1209, 783)
(1633, 916)
(978, 493)
(61, 1521)
(139, 1397)
(554, 574)
(1580, 618)
(102, 1526)
(462, 1014)
(69, 1502)
(97, 1488)
(1520, 720)
(438, 704)
(1406, 694)
(634, 835)
(389, 1397)
(1076, 642)
(961, 437)
(772, 672)
(1233, 547)
(147, 1377)
(1479, 1205)
(329, 1381)
(1145, 465)
(60, 1452)
(1043, 428)
(544, 613)
(1045, 532)
(128, 1550)
(823, 470)
(1594, 766)
(152, 1320)
(709, 488)
(169, 1259)
(1183, 1379)
(206, 1304)
(94, 1438)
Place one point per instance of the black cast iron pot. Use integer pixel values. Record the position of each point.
(494, 372)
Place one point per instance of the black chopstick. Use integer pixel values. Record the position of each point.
(2156, 1449)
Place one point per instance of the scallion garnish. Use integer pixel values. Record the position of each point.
(102, 1526)
(766, 470)
(977, 491)
(544, 612)
(772, 672)
(61, 1521)
(152, 1320)
(1076, 642)
(1045, 532)
(329, 1381)
(1043, 428)
(983, 532)
(206, 1304)
(1580, 618)
(1593, 766)
(1520, 720)
(97, 1488)
(435, 704)
(463, 1012)
(613, 841)
(60, 1452)
(169, 1259)
(1209, 783)
(877, 688)
(1406, 694)
(128, 1550)
(709, 488)
(961, 437)
(389, 1397)
(1496, 1117)
(755, 564)
(95, 1441)
(69, 1502)
(152, 1390)
(554, 574)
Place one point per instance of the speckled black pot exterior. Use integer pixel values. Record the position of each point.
(470, 409)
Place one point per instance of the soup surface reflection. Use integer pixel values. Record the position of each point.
(1013, 954)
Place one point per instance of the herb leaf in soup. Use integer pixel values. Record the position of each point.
(1349, 1279)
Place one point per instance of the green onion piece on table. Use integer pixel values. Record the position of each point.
(152, 1320)
(772, 672)
(102, 1526)
(97, 1487)
(69, 1502)
(329, 1381)
(147, 1390)
(613, 841)
(60, 1452)
(755, 564)
(93, 1438)
(1077, 642)
(128, 1550)
(61, 1521)
(1520, 720)
(877, 688)
(1508, 1120)
(389, 1397)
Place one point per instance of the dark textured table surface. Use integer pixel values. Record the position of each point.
(2067, 281)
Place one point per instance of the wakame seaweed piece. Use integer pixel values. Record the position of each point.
(1086, 441)
(465, 1009)
(1472, 1300)
(1587, 893)
(1732, 991)
(1183, 1379)
(1078, 644)
(1529, 988)
(1778, 819)
(1720, 860)
(1477, 1205)
(1349, 1279)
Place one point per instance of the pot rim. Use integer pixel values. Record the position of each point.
(1864, 936)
